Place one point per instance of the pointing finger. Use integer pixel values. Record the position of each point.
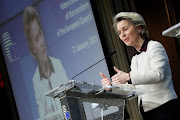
(102, 75)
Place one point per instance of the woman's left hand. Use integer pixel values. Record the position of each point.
(120, 78)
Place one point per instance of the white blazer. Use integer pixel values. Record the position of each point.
(46, 104)
(150, 71)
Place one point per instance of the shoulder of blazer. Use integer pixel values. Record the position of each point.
(153, 44)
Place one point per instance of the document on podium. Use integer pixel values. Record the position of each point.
(124, 90)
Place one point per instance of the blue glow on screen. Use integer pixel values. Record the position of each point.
(71, 37)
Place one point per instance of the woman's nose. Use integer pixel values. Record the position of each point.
(123, 35)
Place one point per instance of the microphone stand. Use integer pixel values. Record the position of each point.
(94, 64)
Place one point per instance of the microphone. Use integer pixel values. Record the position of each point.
(94, 64)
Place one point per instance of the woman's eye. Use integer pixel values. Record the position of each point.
(119, 32)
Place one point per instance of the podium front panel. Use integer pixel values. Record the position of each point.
(82, 101)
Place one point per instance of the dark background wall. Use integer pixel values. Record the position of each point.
(160, 15)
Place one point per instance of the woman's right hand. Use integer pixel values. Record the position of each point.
(105, 82)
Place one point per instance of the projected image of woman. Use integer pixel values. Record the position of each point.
(49, 72)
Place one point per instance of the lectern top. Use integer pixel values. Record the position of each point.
(82, 89)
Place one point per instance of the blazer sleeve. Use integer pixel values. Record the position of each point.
(158, 61)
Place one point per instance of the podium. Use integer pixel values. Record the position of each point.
(173, 31)
(83, 101)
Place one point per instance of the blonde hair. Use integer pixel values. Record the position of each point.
(135, 18)
(29, 15)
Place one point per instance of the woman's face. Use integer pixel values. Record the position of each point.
(128, 33)
(37, 41)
